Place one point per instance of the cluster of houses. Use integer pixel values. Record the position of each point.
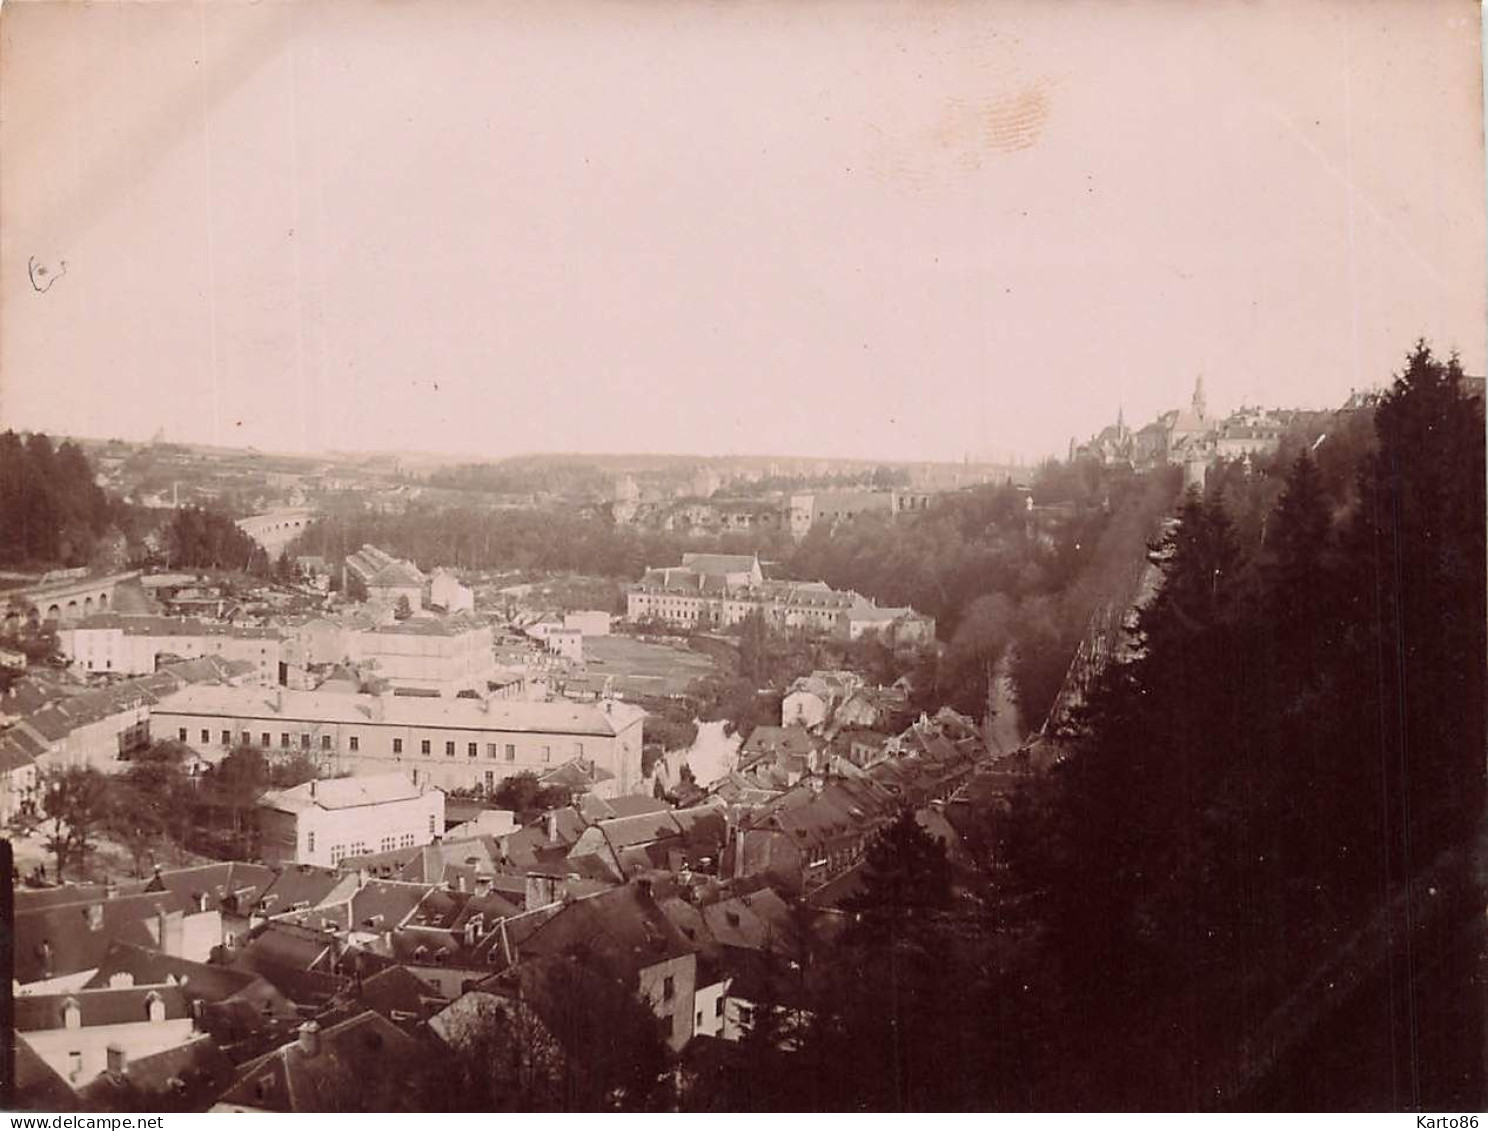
(247, 986)
(384, 913)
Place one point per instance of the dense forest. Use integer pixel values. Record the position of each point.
(52, 513)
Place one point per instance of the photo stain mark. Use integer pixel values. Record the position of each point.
(42, 276)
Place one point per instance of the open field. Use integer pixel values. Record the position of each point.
(640, 668)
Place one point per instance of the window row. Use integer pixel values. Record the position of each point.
(305, 741)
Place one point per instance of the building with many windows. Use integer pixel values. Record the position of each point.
(323, 822)
(449, 743)
(717, 591)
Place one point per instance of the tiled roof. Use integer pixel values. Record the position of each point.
(59, 719)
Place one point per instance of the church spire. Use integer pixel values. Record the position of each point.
(1199, 405)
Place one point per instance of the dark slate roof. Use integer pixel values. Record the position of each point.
(38, 1087)
(399, 995)
(294, 960)
(365, 1047)
(636, 804)
(622, 930)
(36, 1012)
(36, 899)
(719, 563)
(298, 883)
(763, 740)
(233, 886)
(32, 693)
(197, 980)
(623, 832)
(20, 746)
(384, 904)
(78, 934)
(192, 1074)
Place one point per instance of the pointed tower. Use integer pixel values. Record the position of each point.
(1199, 405)
(1120, 420)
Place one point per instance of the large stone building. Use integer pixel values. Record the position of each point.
(440, 655)
(449, 743)
(715, 591)
(427, 654)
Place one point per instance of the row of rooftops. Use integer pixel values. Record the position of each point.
(350, 948)
(45, 712)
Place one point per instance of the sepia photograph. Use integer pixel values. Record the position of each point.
(740, 556)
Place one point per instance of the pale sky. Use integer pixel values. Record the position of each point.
(839, 228)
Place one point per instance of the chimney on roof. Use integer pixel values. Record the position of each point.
(117, 1062)
(309, 1041)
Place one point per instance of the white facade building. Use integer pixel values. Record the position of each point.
(589, 622)
(321, 822)
(128, 645)
(446, 592)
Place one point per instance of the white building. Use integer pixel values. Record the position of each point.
(451, 743)
(431, 654)
(129, 645)
(589, 622)
(445, 655)
(320, 822)
(566, 642)
(446, 592)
